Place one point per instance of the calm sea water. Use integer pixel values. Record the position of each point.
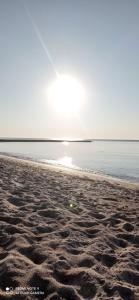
(117, 159)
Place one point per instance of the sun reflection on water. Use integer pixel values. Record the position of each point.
(65, 143)
(65, 161)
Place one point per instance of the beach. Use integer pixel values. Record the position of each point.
(66, 235)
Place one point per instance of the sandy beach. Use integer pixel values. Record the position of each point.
(65, 235)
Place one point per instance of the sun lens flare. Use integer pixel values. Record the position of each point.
(66, 95)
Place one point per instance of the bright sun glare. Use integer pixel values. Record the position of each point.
(66, 95)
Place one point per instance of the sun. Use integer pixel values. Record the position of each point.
(66, 95)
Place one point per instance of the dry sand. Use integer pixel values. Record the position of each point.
(66, 236)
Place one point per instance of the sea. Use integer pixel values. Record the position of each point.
(118, 159)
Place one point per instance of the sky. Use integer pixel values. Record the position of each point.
(93, 41)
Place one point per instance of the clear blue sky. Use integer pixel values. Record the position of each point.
(96, 41)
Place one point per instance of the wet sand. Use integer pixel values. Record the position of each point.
(65, 235)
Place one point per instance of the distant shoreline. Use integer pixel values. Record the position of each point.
(41, 140)
(20, 140)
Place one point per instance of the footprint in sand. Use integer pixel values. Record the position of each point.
(86, 262)
(129, 277)
(88, 290)
(123, 291)
(128, 227)
(16, 200)
(50, 213)
(34, 255)
(106, 259)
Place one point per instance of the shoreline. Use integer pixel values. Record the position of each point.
(76, 171)
(72, 236)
